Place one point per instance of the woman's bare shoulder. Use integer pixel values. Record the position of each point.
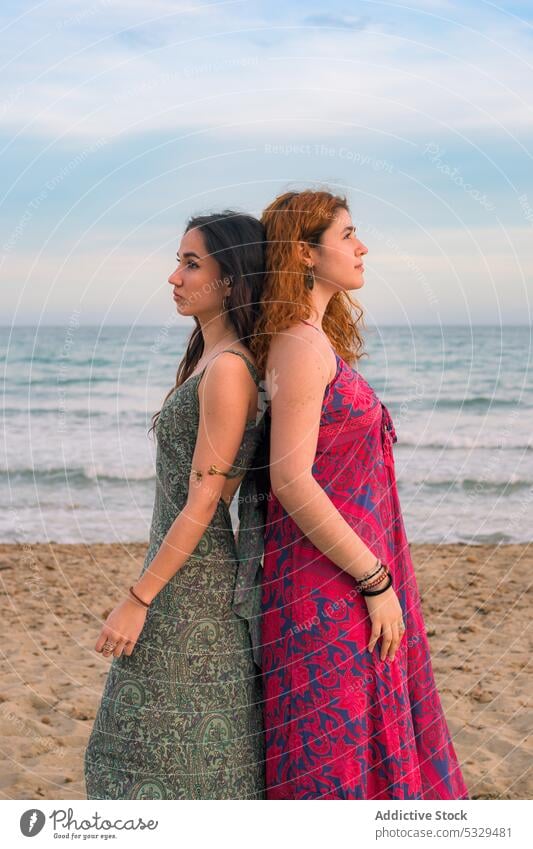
(290, 338)
(302, 350)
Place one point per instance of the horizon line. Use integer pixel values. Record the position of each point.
(381, 324)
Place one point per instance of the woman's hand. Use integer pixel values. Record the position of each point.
(122, 627)
(387, 620)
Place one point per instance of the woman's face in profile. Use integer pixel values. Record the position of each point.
(196, 282)
(339, 261)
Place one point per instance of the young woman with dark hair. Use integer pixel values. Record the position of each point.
(180, 716)
(351, 707)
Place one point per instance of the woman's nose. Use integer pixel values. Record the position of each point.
(174, 278)
(361, 248)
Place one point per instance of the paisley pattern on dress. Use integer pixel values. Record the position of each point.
(339, 722)
(180, 718)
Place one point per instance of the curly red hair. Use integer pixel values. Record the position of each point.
(291, 218)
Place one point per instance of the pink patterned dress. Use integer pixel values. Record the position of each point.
(339, 722)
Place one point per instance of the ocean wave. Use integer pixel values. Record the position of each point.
(482, 401)
(122, 416)
(79, 475)
(495, 538)
(443, 536)
(53, 411)
(469, 484)
(55, 381)
(450, 440)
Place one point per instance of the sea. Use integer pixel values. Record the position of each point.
(77, 464)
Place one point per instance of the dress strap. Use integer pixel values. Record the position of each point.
(251, 367)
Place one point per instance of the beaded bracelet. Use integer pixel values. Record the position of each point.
(377, 580)
(375, 583)
(378, 592)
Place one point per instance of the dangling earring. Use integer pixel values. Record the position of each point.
(225, 299)
(309, 277)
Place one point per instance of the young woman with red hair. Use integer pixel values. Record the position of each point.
(351, 706)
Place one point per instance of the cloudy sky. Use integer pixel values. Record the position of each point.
(121, 118)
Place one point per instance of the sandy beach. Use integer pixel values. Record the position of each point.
(55, 597)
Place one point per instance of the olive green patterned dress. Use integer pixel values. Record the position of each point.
(181, 717)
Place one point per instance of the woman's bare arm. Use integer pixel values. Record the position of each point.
(301, 364)
(224, 400)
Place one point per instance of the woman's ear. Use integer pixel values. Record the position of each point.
(305, 253)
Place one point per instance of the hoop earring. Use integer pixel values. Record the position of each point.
(310, 277)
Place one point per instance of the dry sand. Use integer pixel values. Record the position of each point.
(475, 602)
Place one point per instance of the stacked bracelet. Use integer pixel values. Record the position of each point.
(381, 577)
(136, 597)
(382, 590)
(364, 585)
(371, 575)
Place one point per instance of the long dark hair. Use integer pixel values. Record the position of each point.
(236, 241)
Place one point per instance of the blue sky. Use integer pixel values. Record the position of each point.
(119, 119)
